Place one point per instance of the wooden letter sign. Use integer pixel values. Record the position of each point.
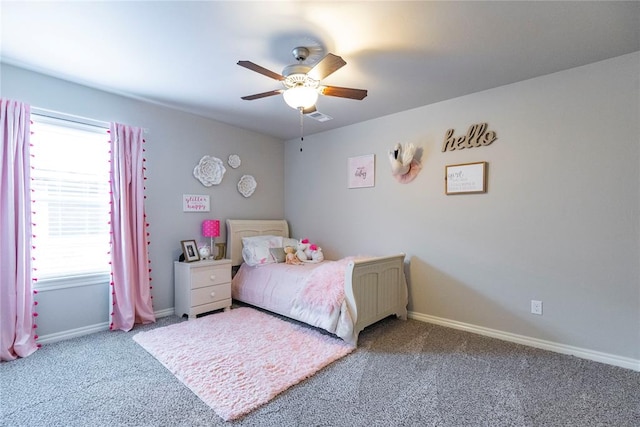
(477, 136)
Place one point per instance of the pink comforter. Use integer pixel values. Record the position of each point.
(311, 293)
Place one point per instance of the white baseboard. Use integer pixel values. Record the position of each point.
(164, 313)
(610, 359)
(86, 330)
(72, 333)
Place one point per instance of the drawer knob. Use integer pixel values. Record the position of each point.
(213, 277)
(213, 294)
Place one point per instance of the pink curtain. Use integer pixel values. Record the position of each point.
(17, 335)
(130, 281)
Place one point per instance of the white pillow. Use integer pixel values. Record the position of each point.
(287, 241)
(255, 250)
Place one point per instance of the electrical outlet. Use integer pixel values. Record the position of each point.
(536, 307)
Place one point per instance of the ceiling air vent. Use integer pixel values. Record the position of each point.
(319, 116)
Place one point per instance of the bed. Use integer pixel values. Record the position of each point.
(374, 287)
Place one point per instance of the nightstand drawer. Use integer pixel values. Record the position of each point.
(210, 276)
(210, 294)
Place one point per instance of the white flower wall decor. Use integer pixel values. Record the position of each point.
(247, 185)
(234, 161)
(209, 171)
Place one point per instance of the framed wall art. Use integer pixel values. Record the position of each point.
(466, 178)
(190, 250)
(195, 203)
(361, 171)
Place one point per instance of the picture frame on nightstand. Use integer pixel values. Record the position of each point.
(190, 250)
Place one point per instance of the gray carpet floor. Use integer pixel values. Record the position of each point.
(404, 373)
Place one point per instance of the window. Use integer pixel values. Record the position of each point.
(70, 192)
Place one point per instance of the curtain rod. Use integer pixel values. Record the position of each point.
(73, 118)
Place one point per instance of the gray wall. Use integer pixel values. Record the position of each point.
(559, 223)
(175, 143)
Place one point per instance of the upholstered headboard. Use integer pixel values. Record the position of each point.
(239, 228)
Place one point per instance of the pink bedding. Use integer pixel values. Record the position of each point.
(311, 293)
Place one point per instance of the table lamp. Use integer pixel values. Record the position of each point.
(211, 228)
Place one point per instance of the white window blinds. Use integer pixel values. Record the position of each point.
(70, 193)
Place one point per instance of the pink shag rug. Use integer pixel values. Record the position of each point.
(238, 360)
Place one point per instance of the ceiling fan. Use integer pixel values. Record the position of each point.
(302, 82)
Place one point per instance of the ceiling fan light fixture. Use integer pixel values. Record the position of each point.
(300, 97)
(301, 82)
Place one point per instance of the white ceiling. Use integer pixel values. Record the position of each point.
(406, 54)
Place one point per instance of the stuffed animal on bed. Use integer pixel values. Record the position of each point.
(290, 257)
(303, 251)
(316, 253)
(309, 252)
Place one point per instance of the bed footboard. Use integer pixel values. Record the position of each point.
(374, 289)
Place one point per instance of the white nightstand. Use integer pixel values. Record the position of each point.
(202, 286)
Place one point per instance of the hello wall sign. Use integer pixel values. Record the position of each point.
(478, 135)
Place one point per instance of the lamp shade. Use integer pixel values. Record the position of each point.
(300, 97)
(211, 228)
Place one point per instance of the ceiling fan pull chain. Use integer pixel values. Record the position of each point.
(301, 127)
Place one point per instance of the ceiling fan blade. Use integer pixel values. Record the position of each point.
(258, 69)
(327, 65)
(262, 95)
(343, 92)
